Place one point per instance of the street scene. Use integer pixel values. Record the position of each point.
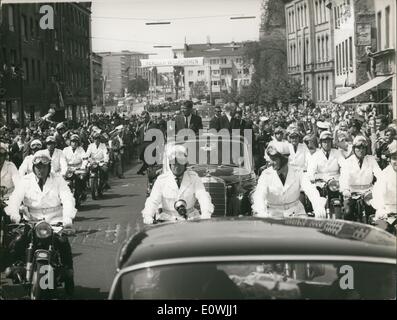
(198, 150)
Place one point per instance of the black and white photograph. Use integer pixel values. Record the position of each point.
(182, 151)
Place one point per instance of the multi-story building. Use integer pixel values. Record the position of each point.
(43, 67)
(223, 71)
(97, 80)
(354, 23)
(120, 67)
(310, 47)
(386, 54)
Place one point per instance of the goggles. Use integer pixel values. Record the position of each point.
(41, 160)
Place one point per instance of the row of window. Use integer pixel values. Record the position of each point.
(32, 70)
(323, 88)
(225, 61)
(383, 29)
(344, 56)
(323, 48)
(321, 14)
(298, 20)
(341, 13)
(222, 72)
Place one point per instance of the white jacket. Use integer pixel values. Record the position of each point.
(58, 162)
(9, 177)
(26, 166)
(319, 167)
(354, 179)
(74, 159)
(55, 194)
(300, 158)
(99, 153)
(272, 198)
(384, 192)
(165, 192)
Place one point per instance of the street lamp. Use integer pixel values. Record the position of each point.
(242, 17)
(157, 23)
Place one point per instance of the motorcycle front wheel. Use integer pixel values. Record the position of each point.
(94, 188)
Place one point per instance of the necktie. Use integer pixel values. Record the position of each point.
(186, 122)
(327, 154)
(282, 178)
(178, 181)
(360, 163)
(41, 184)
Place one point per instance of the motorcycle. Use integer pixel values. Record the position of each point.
(76, 179)
(96, 179)
(388, 223)
(42, 272)
(360, 201)
(330, 190)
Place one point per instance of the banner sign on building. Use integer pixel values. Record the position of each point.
(180, 62)
(363, 34)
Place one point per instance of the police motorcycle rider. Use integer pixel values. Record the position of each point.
(46, 196)
(177, 183)
(357, 176)
(98, 152)
(9, 178)
(299, 152)
(76, 159)
(27, 164)
(279, 187)
(58, 160)
(59, 136)
(384, 193)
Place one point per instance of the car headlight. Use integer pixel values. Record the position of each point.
(43, 230)
(334, 185)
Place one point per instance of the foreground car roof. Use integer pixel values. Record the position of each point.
(256, 236)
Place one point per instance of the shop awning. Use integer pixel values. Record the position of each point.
(365, 87)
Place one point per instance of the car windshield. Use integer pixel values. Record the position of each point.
(256, 280)
(218, 152)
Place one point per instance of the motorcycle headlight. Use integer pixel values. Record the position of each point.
(69, 174)
(334, 185)
(43, 230)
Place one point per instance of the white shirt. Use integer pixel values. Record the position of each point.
(272, 198)
(358, 179)
(58, 162)
(165, 192)
(384, 192)
(9, 177)
(300, 158)
(55, 193)
(74, 159)
(27, 165)
(99, 153)
(319, 167)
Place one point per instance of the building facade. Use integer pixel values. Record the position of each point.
(97, 80)
(354, 34)
(310, 57)
(45, 67)
(119, 68)
(223, 71)
(386, 54)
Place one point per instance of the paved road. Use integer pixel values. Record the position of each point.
(101, 227)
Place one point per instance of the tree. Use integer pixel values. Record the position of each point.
(138, 86)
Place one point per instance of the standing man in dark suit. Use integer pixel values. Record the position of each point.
(145, 126)
(215, 122)
(239, 123)
(188, 120)
(228, 121)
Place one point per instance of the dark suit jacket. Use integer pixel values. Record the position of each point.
(142, 130)
(229, 125)
(215, 123)
(195, 123)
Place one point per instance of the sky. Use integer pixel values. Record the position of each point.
(120, 24)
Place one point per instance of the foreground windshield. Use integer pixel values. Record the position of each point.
(253, 280)
(218, 152)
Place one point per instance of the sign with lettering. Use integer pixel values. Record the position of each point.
(363, 34)
(181, 62)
